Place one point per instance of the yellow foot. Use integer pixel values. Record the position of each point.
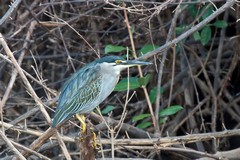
(94, 140)
(82, 118)
(96, 145)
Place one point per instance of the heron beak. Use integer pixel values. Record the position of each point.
(136, 63)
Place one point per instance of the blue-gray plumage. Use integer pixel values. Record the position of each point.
(89, 86)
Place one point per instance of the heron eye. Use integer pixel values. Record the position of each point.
(118, 61)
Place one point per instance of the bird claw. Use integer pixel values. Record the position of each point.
(95, 144)
(82, 118)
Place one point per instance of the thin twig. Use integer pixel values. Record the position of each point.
(24, 79)
(213, 95)
(63, 146)
(164, 57)
(195, 28)
(10, 11)
(11, 146)
(14, 72)
(29, 150)
(139, 69)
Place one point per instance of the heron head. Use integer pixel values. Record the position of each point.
(118, 63)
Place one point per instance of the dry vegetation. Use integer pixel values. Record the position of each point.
(49, 40)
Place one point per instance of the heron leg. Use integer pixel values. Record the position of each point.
(82, 118)
(94, 140)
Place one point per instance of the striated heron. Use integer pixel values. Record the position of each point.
(89, 86)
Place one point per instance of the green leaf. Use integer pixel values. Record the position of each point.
(170, 110)
(206, 35)
(178, 47)
(123, 84)
(180, 29)
(207, 12)
(112, 48)
(153, 94)
(108, 109)
(220, 24)
(196, 36)
(148, 48)
(163, 120)
(192, 9)
(144, 125)
(140, 117)
(143, 81)
(132, 29)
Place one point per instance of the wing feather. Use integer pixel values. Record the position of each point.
(77, 93)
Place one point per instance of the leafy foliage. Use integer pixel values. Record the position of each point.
(112, 48)
(153, 94)
(148, 48)
(108, 109)
(206, 35)
(163, 114)
(132, 83)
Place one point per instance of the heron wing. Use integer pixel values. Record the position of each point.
(77, 93)
(80, 102)
(77, 81)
